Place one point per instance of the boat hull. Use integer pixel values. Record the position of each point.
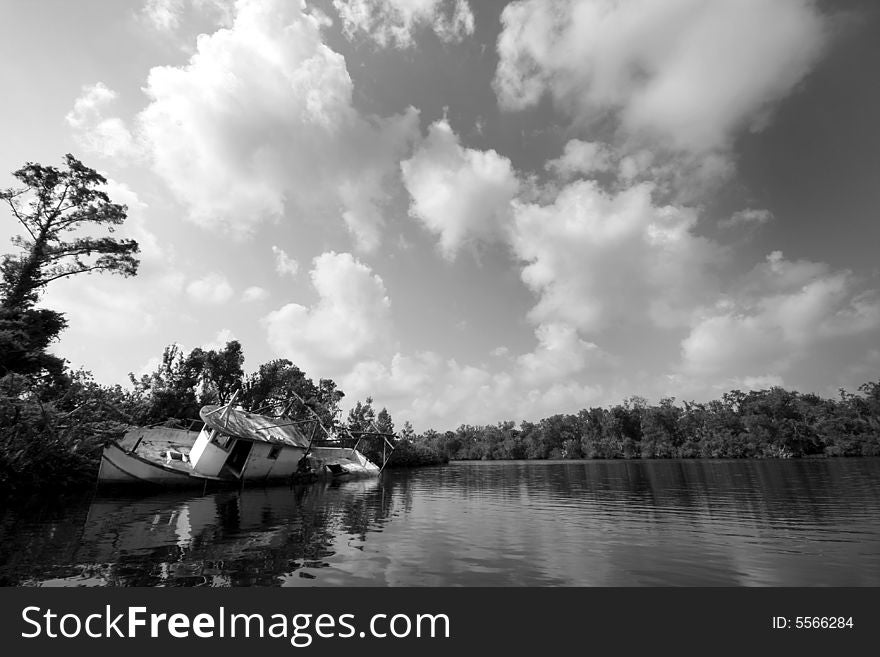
(119, 466)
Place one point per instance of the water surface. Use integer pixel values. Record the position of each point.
(586, 523)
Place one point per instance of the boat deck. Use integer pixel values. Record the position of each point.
(156, 442)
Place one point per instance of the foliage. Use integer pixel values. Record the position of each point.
(56, 442)
(25, 336)
(54, 206)
(774, 423)
(280, 386)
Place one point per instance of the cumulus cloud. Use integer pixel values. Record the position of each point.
(582, 158)
(781, 311)
(284, 264)
(561, 374)
(259, 122)
(685, 73)
(349, 320)
(559, 354)
(458, 193)
(433, 392)
(261, 119)
(395, 22)
(93, 131)
(212, 288)
(598, 259)
(254, 293)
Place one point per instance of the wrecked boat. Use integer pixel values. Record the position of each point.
(235, 446)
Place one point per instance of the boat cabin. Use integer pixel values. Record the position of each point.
(235, 444)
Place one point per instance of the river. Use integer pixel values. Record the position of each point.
(537, 523)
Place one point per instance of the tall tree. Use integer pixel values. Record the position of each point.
(362, 417)
(221, 372)
(56, 207)
(384, 422)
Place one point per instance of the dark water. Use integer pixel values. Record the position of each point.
(610, 523)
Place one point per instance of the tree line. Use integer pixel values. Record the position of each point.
(774, 423)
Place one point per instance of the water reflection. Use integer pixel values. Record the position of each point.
(264, 536)
(613, 523)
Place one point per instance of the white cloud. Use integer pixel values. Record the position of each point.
(685, 73)
(582, 158)
(778, 315)
(561, 374)
(598, 260)
(395, 22)
(284, 264)
(212, 288)
(349, 320)
(433, 392)
(163, 15)
(296, 141)
(108, 137)
(458, 193)
(219, 342)
(260, 121)
(560, 353)
(254, 293)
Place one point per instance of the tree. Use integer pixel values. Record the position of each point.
(384, 424)
(52, 205)
(280, 385)
(24, 337)
(169, 391)
(221, 372)
(362, 417)
(407, 434)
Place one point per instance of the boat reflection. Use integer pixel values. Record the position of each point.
(266, 536)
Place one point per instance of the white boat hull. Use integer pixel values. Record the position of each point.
(119, 466)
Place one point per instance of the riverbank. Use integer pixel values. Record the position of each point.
(34, 459)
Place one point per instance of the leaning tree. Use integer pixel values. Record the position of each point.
(52, 206)
(59, 209)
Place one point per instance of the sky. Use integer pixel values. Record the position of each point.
(470, 211)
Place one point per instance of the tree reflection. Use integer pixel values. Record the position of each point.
(228, 538)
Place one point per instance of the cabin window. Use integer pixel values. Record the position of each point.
(221, 440)
(274, 452)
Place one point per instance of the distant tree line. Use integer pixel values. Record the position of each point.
(774, 423)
